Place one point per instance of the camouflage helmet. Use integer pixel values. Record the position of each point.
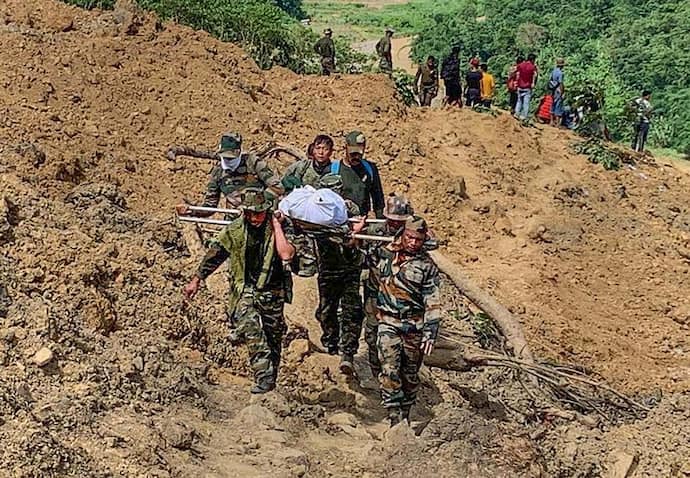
(230, 141)
(255, 200)
(398, 208)
(331, 181)
(417, 224)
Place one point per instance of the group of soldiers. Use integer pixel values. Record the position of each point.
(325, 48)
(400, 306)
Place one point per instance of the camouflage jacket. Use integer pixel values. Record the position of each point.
(408, 288)
(251, 172)
(307, 172)
(241, 247)
(372, 256)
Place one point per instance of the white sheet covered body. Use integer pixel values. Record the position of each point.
(317, 206)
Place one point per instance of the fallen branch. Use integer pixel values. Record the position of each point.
(508, 324)
(564, 384)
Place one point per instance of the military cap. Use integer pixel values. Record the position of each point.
(398, 208)
(389, 30)
(255, 200)
(328, 31)
(560, 62)
(230, 141)
(356, 141)
(417, 224)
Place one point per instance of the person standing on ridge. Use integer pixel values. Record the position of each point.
(450, 72)
(361, 180)
(325, 48)
(384, 50)
(426, 82)
(473, 82)
(512, 84)
(557, 89)
(488, 86)
(256, 244)
(643, 119)
(526, 80)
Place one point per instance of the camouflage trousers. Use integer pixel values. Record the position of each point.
(400, 353)
(371, 332)
(340, 331)
(261, 326)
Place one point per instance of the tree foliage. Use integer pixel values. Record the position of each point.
(620, 46)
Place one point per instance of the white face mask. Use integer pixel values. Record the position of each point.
(229, 163)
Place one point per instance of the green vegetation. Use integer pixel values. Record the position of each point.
(268, 30)
(620, 46)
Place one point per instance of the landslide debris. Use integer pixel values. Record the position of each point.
(141, 383)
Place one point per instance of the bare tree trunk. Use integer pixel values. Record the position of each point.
(508, 324)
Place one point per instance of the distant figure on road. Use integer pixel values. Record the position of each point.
(450, 72)
(325, 48)
(512, 84)
(384, 50)
(557, 89)
(427, 88)
(473, 84)
(643, 120)
(488, 86)
(526, 79)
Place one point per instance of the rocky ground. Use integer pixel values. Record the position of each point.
(106, 371)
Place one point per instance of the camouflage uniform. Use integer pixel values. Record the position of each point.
(306, 173)
(250, 172)
(384, 50)
(409, 313)
(339, 266)
(326, 50)
(259, 285)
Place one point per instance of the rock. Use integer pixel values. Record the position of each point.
(297, 350)
(621, 464)
(290, 455)
(257, 417)
(275, 402)
(399, 436)
(178, 435)
(138, 363)
(342, 419)
(43, 357)
(457, 187)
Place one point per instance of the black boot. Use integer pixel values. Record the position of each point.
(395, 416)
(405, 413)
(264, 385)
(347, 365)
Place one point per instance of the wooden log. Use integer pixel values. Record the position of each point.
(508, 324)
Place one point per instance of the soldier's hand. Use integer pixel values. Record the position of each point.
(359, 225)
(182, 209)
(192, 288)
(429, 334)
(279, 216)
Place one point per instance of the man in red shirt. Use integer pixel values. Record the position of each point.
(526, 79)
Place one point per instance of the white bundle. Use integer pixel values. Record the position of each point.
(317, 206)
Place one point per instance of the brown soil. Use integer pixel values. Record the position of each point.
(594, 263)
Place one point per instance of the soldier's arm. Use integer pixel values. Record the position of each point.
(214, 258)
(431, 289)
(432, 308)
(416, 78)
(212, 196)
(282, 232)
(268, 177)
(378, 202)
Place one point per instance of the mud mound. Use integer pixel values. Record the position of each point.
(107, 371)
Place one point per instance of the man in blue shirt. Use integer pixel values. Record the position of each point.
(556, 89)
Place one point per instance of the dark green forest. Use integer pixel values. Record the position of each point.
(618, 46)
